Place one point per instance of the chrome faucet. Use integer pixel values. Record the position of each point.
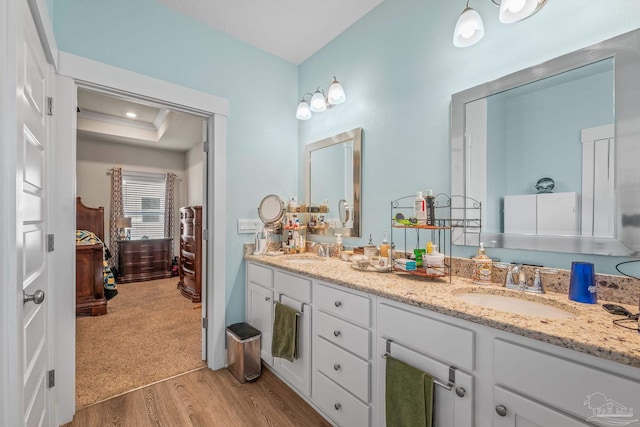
(515, 270)
(324, 250)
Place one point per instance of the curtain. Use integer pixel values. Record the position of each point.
(117, 211)
(169, 214)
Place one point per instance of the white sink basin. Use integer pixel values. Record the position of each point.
(305, 260)
(515, 305)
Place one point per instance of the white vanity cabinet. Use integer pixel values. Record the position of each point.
(434, 346)
(550, 389)
(542, 214)
(342, 354)
(260, 305)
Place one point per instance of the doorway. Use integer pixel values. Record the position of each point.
(147, 331)
(75, 72)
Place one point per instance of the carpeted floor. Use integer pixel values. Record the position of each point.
(150, 333)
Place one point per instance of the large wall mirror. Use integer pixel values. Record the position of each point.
(574, 119)
(332, 184)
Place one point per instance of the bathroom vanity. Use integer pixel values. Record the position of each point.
(494, 368)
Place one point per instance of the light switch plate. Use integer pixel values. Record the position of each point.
(247, 226)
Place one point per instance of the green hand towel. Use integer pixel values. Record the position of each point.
(285, 333)
(409, 395)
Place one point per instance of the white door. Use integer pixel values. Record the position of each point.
(31, 220)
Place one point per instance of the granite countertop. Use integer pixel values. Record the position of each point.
(590, 331)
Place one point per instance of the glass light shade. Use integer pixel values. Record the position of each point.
(318, 104)
(516, 10)
(469, 28)
(335, 94)
(303, 112)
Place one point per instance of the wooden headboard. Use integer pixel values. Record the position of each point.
(90, 219)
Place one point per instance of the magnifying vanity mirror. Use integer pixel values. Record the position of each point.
(271, 211)
(332, 183)
(574, 119)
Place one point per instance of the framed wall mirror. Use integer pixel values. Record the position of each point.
(574, 119)
(332, 184)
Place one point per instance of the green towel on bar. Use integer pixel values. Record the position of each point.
(409, 395)
(285, 333)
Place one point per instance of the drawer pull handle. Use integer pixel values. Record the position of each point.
(267, 298)
(460, 391)
(337, 303)
(336, 366)
(501, 410)
(337, 406)
(337, 333)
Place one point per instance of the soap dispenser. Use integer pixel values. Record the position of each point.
(482, 266)
(370, 248)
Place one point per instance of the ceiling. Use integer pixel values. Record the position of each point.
(103, 117)
(291, 29)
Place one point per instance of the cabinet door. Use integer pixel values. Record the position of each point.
(450, 409)
(513, 410)
(520, 214)
(260, 316)
(298, 372)
(557, 214)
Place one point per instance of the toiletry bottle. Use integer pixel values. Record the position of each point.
(431, 207)
(420, 208)
(429, 247)
(384, 246)
(293, 204)
(338, 246)
(482, 266)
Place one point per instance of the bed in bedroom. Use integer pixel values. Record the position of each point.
(90, 292)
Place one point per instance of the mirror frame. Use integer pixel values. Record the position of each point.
(626, 59)
(356, 136)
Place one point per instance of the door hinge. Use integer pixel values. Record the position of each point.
(205, 322)
(205, 234)
(50, 242)
(205, 147)
(49, 106)
(52, 378)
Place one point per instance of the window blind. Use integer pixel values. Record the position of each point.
(143, 199)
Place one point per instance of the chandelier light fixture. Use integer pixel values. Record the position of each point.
(469, 29)
(320, 102)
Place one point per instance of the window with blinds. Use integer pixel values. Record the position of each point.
(143, 200)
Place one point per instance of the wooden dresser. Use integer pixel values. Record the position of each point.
(140, 260)
(190, 284)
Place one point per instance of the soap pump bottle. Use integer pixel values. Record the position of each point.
(482, 267)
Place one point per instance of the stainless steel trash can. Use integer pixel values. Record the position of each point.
(243, 351)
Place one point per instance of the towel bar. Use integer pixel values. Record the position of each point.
(280, 301)
(452, 372)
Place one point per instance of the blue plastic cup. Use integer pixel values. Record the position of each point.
(582, 287)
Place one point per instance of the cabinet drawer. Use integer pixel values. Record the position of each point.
(338, 404)
(344, 334)
(349, 306)
(295, 287)
(144, 246)
(349, 371)
(437, 339)
(559, 382)
(260, 275)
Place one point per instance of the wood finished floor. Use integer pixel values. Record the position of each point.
(203, 398)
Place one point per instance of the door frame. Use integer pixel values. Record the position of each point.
(88, 73)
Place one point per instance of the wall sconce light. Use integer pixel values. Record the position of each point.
(469, 29)
(319, 101)
(122, 223)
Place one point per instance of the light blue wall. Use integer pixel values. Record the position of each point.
(148, 38)
(399, 68)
